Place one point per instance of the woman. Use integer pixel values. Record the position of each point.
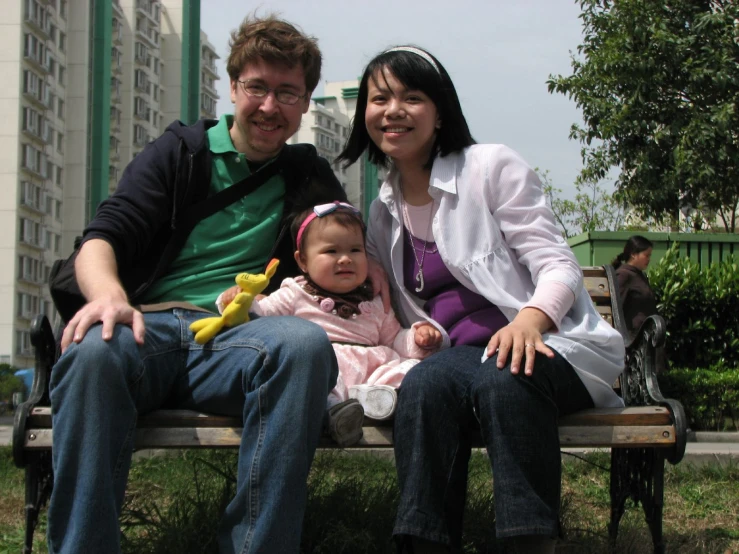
(469, 245)
(636, 294)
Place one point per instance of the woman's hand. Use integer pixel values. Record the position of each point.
(521, 337)
(380, 286)
(427, 336)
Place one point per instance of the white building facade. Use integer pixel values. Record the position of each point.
(85, 86)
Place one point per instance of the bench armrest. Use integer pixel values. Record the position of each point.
(645, 359)
(44, 345)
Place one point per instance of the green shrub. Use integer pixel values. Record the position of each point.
(9, 383)
(710, 396)
(701, 308)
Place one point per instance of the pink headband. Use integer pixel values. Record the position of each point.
(320, 211)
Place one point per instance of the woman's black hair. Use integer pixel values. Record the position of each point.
(415, 73)
(635, 245)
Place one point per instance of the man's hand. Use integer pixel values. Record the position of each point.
(380, 286)
(229, 294)
(108, 310)
(427, 336)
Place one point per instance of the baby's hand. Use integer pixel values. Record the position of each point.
(427, 336)
(229, 294)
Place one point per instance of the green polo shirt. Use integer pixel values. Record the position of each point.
(232, 241)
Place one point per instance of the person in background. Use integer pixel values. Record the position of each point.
(637, 296)
(470, 246)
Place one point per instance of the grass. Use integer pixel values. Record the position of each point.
(173, 506)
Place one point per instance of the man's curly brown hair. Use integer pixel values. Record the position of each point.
(277, 42)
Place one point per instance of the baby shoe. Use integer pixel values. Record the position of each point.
(378, 401)
(345, 422)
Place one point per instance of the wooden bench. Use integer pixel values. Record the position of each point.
(641, 436)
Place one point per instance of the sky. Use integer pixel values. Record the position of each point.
(499, 54)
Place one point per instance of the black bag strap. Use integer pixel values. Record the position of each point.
(214, 204)
(201, 210)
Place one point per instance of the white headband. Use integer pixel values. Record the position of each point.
(417, 52)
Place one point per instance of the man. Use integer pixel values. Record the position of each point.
(119, 361)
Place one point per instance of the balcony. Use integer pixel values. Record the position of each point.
(41, 25)
(28, 277)
(210, 68)
(40, 136)
(31, 205)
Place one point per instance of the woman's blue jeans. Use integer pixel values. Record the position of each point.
(451, 393)
(274, 372)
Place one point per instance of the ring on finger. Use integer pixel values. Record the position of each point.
(531, 344)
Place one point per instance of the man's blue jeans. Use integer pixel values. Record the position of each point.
(274, 372)
(451, 393)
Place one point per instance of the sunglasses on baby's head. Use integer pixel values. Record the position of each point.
(323, 210)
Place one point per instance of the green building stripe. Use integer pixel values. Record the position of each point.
(101, 40)
(190, 100)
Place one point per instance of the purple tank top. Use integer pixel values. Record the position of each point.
(467, 317)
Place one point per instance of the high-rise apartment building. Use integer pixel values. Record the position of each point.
(86, 84)
(208, 77)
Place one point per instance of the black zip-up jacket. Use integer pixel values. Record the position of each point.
(174, 172)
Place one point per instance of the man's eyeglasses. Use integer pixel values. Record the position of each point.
(282, 95)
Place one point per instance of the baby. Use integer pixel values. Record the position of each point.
(373, 351)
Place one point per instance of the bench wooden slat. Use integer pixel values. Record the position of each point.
(638, 415)
(642, 415)
(598, 290)
(376, 437)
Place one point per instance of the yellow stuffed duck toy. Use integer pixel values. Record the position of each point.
(237, 312)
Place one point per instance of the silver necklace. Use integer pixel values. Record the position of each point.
(407, 222)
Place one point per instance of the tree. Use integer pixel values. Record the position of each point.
(658, 86)
(592, 210)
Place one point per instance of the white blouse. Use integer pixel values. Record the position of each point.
(497, 236)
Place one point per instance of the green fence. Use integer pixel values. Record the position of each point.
(600, 247)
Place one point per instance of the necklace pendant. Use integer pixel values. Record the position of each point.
(419, 278)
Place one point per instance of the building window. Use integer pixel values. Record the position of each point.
(141, 53)
(37, 14)
(58, 210)
(60, 108)
(23, 343)
(141, 81)
(34, 160)
(62, 75)
(139, 135)
(29, 269)
(60, 142)
(34, 49)
(31, 195)
(27, 305)
(63, 9)
(30, 232)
